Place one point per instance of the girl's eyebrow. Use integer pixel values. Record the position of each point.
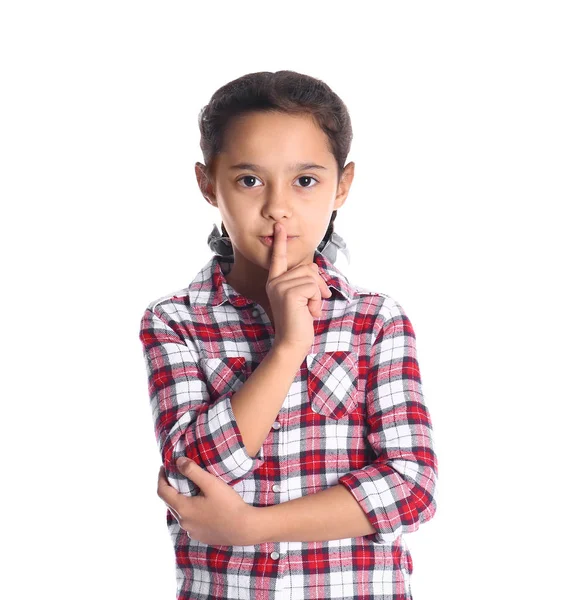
(294, 167)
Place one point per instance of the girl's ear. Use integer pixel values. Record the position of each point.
(348, 174)
(344, 185)
(204, 183)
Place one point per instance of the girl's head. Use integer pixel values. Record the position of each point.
(275, 146)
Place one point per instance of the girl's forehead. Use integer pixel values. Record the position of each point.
(258, 133)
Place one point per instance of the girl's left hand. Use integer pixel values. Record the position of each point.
(217, 516)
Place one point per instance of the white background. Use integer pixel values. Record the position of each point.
(454, 211)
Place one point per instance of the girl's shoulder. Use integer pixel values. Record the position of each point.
(175, 295)
(364, 291)
(382, 303)
(361, 290)
(173, 306)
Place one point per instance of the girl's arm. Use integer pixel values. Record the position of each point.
(185, 421)
(257, 403)
(396, 491)
(331, 514)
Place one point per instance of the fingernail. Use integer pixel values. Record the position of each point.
(181, 461)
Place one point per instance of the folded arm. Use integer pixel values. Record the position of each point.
(186, 423)
(394, 494)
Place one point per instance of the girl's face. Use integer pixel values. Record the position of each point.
(274, 168)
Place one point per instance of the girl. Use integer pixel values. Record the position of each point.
(296, 394)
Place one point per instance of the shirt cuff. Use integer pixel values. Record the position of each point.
(369, 488)
(220, 443)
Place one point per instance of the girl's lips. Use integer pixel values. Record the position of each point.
(269, 240)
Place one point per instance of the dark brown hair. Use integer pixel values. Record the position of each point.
(283, 91)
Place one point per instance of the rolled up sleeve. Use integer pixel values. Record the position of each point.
(396, 490)
(186, 423)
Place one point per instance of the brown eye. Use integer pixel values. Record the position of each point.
(308, 178)
(252, 177)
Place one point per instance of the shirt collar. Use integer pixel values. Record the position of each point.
(210, 288)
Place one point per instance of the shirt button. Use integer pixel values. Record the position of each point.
(276, 425)
(275, 488)
(274, 555)
(255, 312)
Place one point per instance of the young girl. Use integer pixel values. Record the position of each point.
(296, 393)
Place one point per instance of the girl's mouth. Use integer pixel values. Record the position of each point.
(269, 240)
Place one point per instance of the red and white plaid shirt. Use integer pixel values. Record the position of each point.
(354, 414)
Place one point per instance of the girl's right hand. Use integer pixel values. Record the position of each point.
(294, 296)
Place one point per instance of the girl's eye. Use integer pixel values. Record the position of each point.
(308, 178)
(248, 177)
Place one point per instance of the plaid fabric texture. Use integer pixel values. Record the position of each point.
(355, 415)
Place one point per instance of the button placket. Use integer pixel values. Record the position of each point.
(276, 489)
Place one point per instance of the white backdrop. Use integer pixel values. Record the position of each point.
(458, 144)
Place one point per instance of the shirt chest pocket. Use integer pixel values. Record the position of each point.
(225, 375)
(332, 382)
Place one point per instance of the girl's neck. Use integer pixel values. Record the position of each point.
(240, 283)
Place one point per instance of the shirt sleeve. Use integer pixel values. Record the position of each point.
(396, 490)
(186, 422)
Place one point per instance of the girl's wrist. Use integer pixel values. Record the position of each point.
(289, 351)
(257, 526)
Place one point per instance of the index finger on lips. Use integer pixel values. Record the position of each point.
(279, 256)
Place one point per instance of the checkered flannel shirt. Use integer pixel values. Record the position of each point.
(354, 414)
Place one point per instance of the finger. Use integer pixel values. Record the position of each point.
(279, 256)
(307, 288)
(325, 291)
(297, 273)
(311, 291)
(166, 492)
(162, 475)
(161, 491)
(314, 303)
(322, 291)
(174, 513)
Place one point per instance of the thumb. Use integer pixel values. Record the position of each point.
(192, 470)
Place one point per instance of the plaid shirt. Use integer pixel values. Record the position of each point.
(355, 415)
